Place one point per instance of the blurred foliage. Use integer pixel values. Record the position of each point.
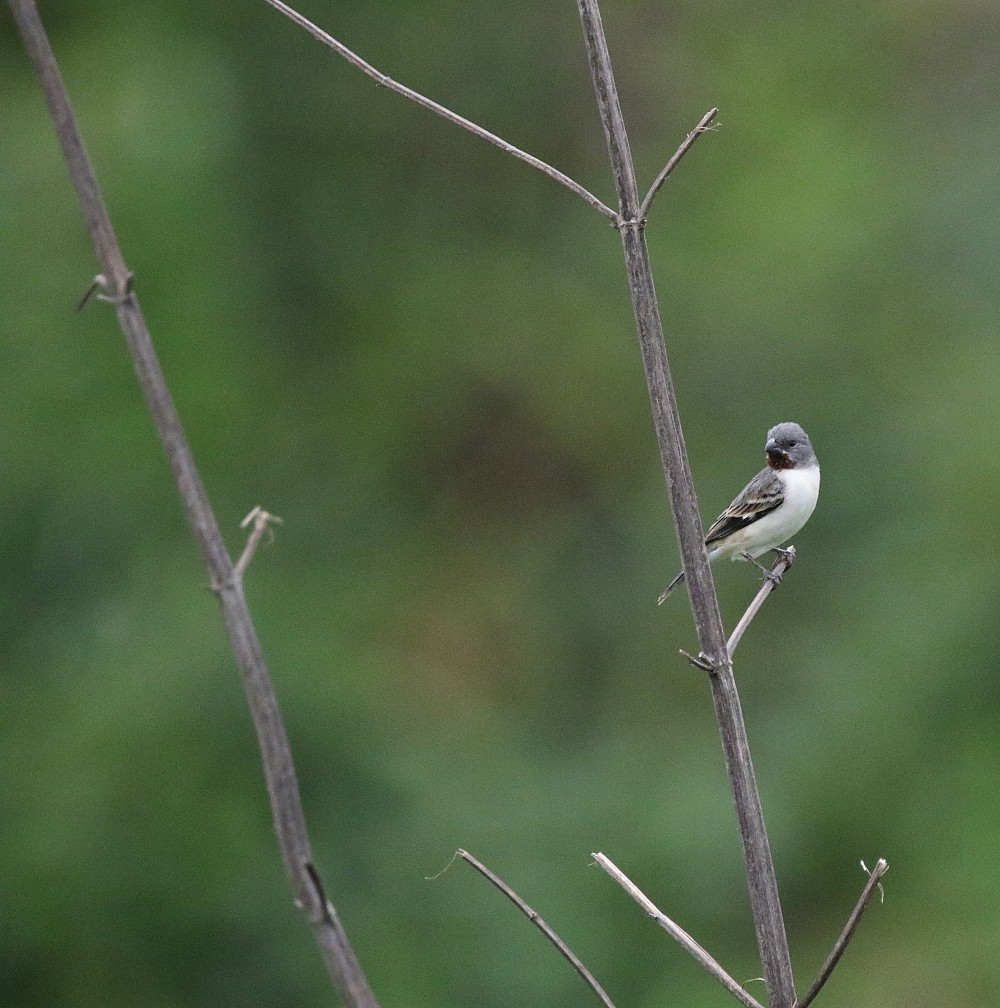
(421, 355)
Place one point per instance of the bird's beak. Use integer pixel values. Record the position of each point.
(773, 451)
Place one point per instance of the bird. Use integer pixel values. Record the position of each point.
(772, 507)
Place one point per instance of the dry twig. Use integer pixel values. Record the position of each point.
(261, 521)
(433, 106)
(564, 950)
(677, 933)
(874, 882)
(702, 127)
(785, 561)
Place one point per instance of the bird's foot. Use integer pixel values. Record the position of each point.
(788, 555)
(766, 573)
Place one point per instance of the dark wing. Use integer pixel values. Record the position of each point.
(760, 496)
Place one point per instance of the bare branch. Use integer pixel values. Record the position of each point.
(261, 521)
(785, 561)
(677, 933)
(763, 885)
(279, 770)
(433, 106)
(881, 867)
(564, 949)
(702, 127)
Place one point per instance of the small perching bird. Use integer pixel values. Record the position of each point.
(772, 507)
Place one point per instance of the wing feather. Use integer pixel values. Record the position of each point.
(760, 496)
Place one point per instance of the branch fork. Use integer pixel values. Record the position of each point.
(619, 220)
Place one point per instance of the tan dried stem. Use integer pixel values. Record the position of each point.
(679, 935)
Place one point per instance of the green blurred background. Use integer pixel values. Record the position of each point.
(421, 355)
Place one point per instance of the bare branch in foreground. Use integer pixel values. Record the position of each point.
(115, 281)
(881, 867)
(785, 561)
(702, 127)
(677, 933)
(564, 949)
(444, 113)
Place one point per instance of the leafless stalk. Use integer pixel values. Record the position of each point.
(702, 127)
(770, 583)
(874, 877)
(115, 285)
(261, 521)
(677, 932)
(764, 900)
(433, 106)
(563, 948)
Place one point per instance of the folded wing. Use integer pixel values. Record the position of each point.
(761, 496)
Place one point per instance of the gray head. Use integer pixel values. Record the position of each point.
(788, 447)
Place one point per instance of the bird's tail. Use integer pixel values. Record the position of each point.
(670, 587)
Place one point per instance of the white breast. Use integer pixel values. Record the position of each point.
(801, 494)
(775, 529)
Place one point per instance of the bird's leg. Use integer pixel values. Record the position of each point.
(785, 554)
(769, 575)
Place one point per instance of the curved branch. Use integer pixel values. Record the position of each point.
(433, 106)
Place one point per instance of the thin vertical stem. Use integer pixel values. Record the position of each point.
(764, 899)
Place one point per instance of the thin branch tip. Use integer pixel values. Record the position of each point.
(840, 945)
(772, 578)
(702, 127)
(876, 873)
(383, 80)
(258, 516)
(100, 284)
(262, 522)
(564, 950)
(698, 663)
(692, 947)
(451, 861)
